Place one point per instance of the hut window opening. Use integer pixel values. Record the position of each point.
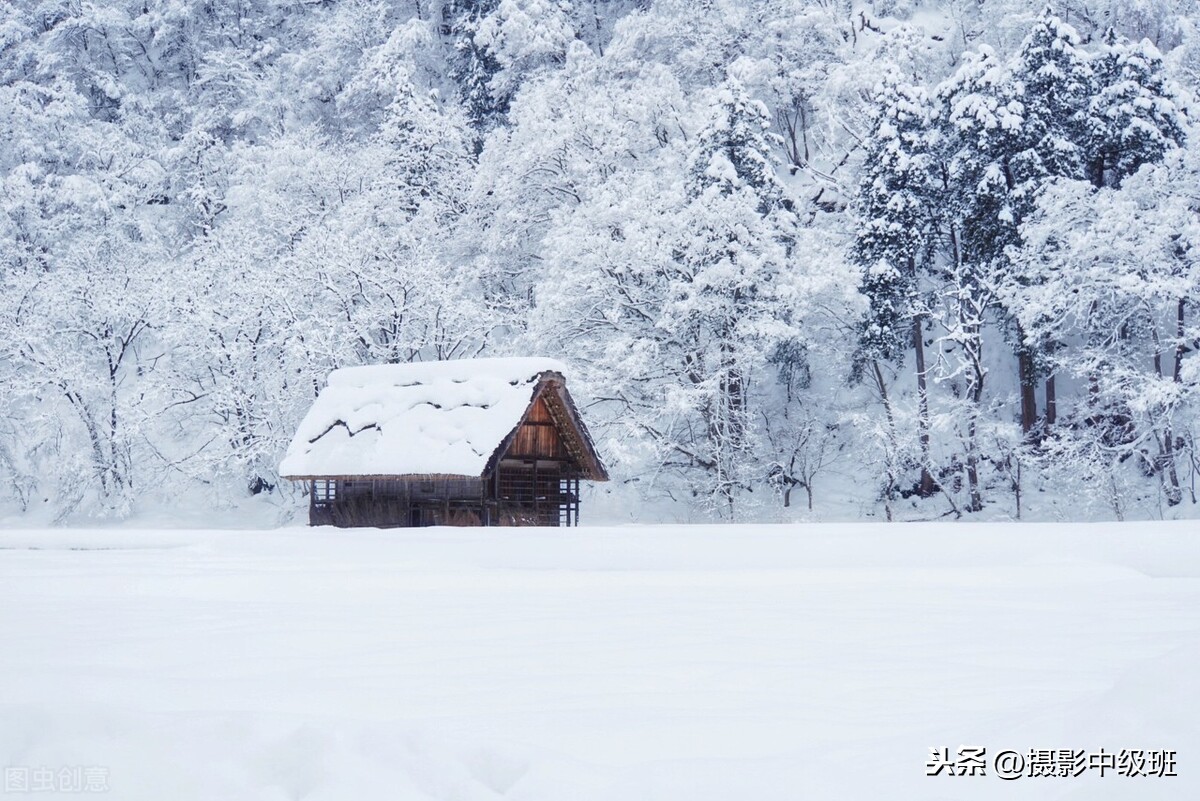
(324, 491)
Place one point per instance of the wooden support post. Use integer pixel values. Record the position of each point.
(537, 517)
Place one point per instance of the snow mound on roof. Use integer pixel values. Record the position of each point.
(411, 419)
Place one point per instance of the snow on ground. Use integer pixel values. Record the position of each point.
(612, 663)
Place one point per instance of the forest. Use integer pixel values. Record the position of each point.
(907, 259)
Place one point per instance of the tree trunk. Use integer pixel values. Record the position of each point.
(1093, 379)
(1179, 347)
(976, 494)
(1028, 382)
(975, 377)
(889, 492)
(976, 498)
(1051, 401)
(972, 346)
(1017, 487)
(926, 487)
(1174, 493)
(1166, 447)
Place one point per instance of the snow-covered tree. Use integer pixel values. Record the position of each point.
(894, 246)
(1121, 279)
(1136, 115)
(524, 36)
(728, 295)
(474, 65)
(205, 207)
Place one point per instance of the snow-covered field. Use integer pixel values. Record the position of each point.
(596, 664)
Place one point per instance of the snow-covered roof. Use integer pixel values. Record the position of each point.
(444, 418)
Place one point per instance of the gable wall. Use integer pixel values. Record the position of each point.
(538, 436)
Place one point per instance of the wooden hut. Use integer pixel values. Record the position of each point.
(468, 442)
